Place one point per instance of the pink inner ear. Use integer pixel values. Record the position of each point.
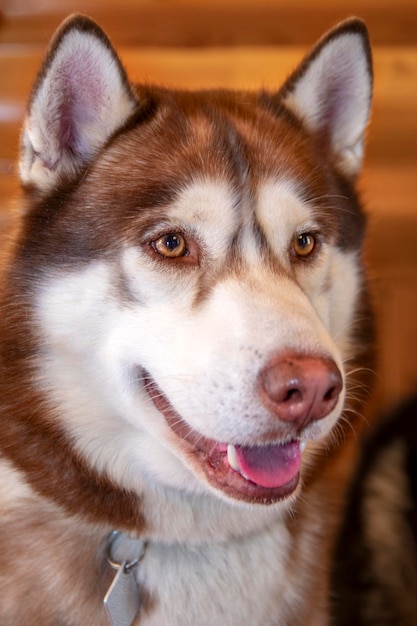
(81, 97)
(338, 91)
(67, 133)
(331, 105)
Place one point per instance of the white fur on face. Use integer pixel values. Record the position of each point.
(205, 358)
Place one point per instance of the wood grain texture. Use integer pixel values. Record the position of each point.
(211, 22)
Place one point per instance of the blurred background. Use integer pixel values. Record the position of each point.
(249, 44)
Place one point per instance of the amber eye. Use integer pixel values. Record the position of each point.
(171, 246)
(303, 244)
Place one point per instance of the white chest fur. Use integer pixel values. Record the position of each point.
(249, 581)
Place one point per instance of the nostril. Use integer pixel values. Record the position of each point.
(280, 384)
(336, 383)
(331, 394)
(293, 395)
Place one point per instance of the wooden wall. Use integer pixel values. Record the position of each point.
(251, 43)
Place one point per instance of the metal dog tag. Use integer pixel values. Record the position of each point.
(122, 601)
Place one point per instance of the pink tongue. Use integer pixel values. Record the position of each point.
(270, 466)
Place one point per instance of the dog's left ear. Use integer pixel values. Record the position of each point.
(80, 98)
(331, 93)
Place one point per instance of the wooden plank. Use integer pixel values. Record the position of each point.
(395, 296)
(207, 23)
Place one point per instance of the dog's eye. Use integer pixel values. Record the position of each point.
(171, 246)
(303, 244)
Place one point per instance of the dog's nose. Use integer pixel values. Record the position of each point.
(300, 388)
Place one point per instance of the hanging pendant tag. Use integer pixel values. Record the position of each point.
(122, 601)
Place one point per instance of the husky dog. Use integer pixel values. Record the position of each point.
(184, 328)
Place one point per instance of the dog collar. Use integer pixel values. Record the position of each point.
(122, 600)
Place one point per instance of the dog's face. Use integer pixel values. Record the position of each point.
(196, 265)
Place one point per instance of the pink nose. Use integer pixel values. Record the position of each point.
(301, 389)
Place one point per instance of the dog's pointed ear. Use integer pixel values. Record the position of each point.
(331, 93)
(80, 97)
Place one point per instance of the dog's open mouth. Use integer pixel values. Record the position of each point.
(261, 474)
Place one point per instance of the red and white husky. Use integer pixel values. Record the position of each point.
(183, 317)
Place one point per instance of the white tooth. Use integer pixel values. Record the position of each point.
(303, 444)
(232, 458)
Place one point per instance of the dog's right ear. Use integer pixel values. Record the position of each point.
(331, 93)
(81, 96)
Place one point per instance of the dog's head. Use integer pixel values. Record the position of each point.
(190, 266)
